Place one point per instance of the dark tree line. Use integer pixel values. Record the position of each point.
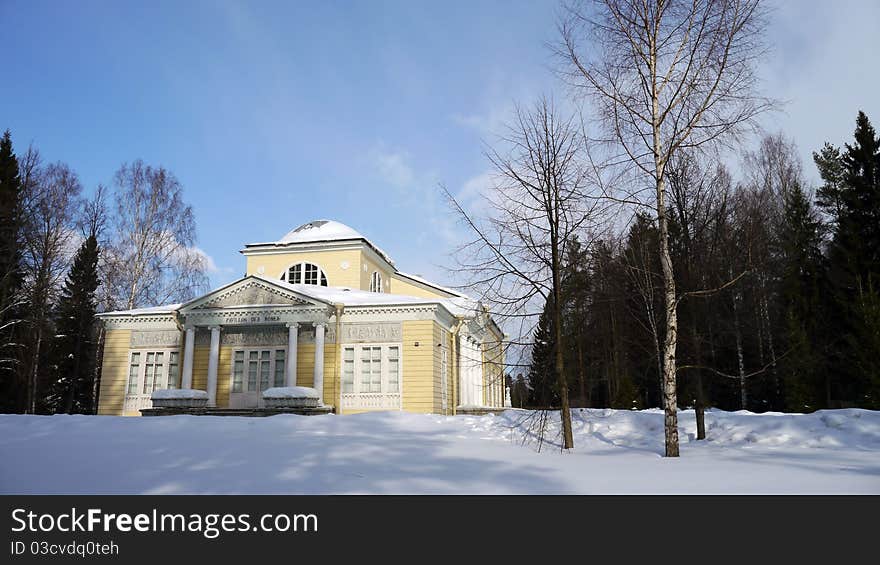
(64, 257)
(780, 297)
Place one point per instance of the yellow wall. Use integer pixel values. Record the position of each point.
(329, 261)
(372, 266)
(200, 367)
(114, 372)
(355, 276)
(422, 378)
(420, 391)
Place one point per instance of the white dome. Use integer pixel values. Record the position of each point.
(320, 230)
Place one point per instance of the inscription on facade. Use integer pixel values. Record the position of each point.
(371, 332)
(164, 338)
(252, 319)
(254, 337)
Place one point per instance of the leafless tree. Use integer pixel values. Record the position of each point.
(664, 76)
(152, 259)
(51, 202)
(533, 209)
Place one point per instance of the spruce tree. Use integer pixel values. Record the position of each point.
(543, 390)
(10, 275)
(75, 344)
(853, 179)
(800, 253)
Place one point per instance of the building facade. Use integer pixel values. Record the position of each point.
(323, 307)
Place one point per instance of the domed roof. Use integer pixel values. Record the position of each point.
(320, 230)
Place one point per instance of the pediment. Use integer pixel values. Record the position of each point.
(249, 292)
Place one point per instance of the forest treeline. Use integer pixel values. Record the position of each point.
(65, 256)
(779, 290)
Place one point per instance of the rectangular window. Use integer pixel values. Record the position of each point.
(444, 379)
(279, 367)
(393, 369)
(133, 372)
(264, 370)
(253, 363)
(237, 371)
(371, 369)
(173, 369)
(348, 370)
(153, 371)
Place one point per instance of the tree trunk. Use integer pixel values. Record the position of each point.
(670, 401)
(743, 396)
(700, 405)
(35, 371)
(99, 363)
(581, 377)
(565, 408)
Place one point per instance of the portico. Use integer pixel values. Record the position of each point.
(289, 357)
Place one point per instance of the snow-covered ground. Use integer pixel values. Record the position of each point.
(835, 451)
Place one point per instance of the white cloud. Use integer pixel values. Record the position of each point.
(475, 191)
(394, 169)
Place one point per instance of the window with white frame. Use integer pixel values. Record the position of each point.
(255, 370)
(376, 282)
(371, 369)
(152, 370)
(305, 273)
(444, 379)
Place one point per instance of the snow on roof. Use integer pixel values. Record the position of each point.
(426, 282)
(324, 230)
(320, 230)
(459, 306)
(164, 309)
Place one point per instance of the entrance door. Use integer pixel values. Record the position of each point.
(253, 371)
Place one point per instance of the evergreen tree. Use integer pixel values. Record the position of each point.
(543, 390)
(10, 274)
(800, 241)
(853, 179)
(75, 344)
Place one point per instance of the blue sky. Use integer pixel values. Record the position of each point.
(275, 113)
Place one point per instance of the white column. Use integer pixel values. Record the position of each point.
(477, 378)
(188, 344)
(290, 370)
(466, 371)
(213, 361)
(319, 362)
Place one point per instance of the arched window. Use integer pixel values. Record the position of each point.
(376, 282)
(305, 273)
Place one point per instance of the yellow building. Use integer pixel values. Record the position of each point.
(325, 308)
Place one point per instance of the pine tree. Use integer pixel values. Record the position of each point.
(10, 274)
(75, 346)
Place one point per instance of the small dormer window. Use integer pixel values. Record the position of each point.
(376, 282)
(305, 273)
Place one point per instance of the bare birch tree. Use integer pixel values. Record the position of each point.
(51, 202)
(666, 75)
(153, 259)
(534, 208)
